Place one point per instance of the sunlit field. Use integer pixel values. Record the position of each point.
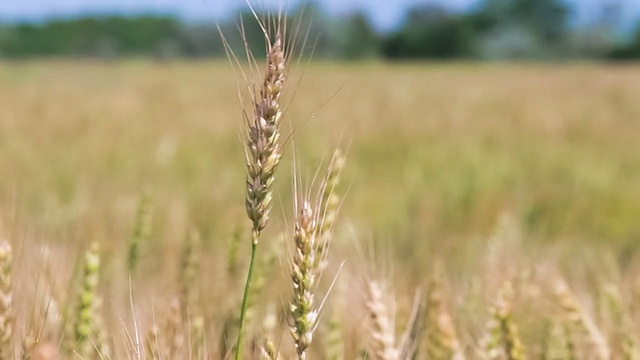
(497, 206)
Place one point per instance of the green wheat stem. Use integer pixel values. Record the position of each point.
(245, 296)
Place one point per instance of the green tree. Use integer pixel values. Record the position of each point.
(357, 39)
(628, 51)
(545, 18)
(430, 32)
(519, 29)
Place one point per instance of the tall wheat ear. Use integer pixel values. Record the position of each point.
(263, 150)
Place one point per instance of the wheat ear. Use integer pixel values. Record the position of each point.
(263, 148)
(303, 275)
(382, 331)
(263, 154)
(85, 327)
(330, 202)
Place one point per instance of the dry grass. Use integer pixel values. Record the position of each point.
(438, 153)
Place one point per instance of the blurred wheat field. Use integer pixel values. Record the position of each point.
(500, 173)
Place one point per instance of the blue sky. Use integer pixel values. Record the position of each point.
(385, 13)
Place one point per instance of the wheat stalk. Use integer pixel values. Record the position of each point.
(263, 154)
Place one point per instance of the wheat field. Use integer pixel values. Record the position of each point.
(483, 211)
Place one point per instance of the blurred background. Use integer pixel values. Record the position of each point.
(355, 29)
(497, 137)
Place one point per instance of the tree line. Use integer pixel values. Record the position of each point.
(495, 29)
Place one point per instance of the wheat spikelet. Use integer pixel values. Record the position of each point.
(581, 324)
(303, 275)
(6, 300)
(442, 340)
(381, 324)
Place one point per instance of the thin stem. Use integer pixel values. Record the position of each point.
(245, 297)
